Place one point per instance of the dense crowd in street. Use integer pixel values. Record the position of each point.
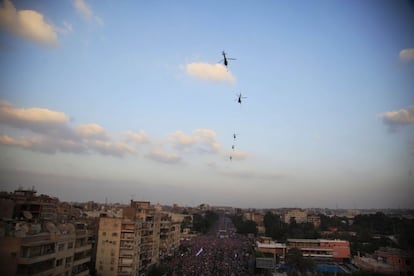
(220, 252)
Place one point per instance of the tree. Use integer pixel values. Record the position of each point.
(244, 226)
(297, 262)
(274, 227)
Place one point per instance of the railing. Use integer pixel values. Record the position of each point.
(36, 259)
(81, 261)
(83, 248)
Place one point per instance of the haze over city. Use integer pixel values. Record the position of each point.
(105, 100)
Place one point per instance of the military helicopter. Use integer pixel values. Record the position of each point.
(225, 59)
(232, 147)
(239, 98)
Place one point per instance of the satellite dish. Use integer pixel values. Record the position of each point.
(21, 230)
(22, 227)
(51, 227)
(27, 215)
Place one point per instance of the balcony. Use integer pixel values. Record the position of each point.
(126, 253)
(42, 268)
(82, 261)
(83, 247)
(36, 259)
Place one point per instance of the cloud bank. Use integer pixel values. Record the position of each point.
(50, 131)
(210, 72)
(27, 24)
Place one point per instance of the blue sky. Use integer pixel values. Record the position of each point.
(105, 99)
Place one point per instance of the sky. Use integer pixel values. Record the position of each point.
(119, 100)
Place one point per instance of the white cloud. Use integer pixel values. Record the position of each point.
(395, 119)
(110, 148)
(92, 131)
(159, 155)
(407, 54)
(50, 131)
(44, 144)
(180, 138)
(54, 133)
(27, 24)
(39, 120)
(202, 140)
(40, 115)
(211, 72)
(140, 137)
(87, 12)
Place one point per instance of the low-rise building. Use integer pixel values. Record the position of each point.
(387, 261)
(324, 250)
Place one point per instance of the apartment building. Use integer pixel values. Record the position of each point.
(150, 216)
(133, 244)
(28, 205)
(48, 249)
(387, 260)
(258, 218)
(118, 246)
(170, 234)
(297, 215)
(315, 220)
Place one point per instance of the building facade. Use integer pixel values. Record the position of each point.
(296, 215)
(324, 250)
(34, 249)
(118, 246)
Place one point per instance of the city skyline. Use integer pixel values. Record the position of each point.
(118, 100)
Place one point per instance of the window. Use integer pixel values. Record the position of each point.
(59, 262)
(103, 233)
(114, 234)
(61, 247)
(70, 245)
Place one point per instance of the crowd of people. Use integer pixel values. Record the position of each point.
(220, 252)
